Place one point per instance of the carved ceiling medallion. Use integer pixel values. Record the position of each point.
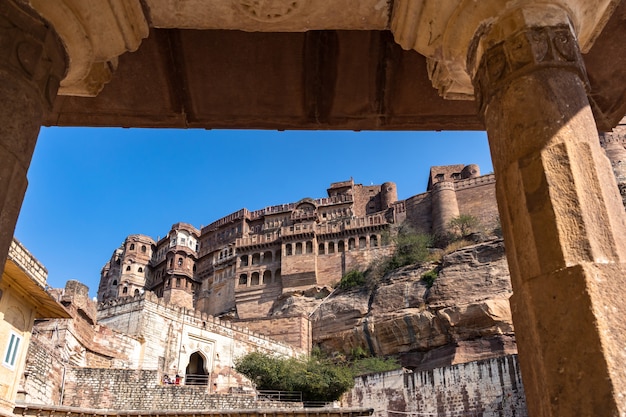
(270, 10)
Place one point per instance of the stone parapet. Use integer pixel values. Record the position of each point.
(474, 182)
(27, 262)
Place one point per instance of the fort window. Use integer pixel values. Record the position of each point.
(128, 268)
(299, 248)
(171, 262)
(132, 246)
(11, 353)
(256, 259)
(117, 261)
(143, 248)
(140, 269)
(309, 247)
(288, 250)
(341, 247)
(254, 279)
(331, 247)
(362, 243)
(243, 260)
(177, 282)
(373, 241)
(114, 282)
(194, 268)
(136, 293)
(267, 257)
(180, 261)
(267, 277)
(456, 176)
(320, 249)
(125, 290)
(351, 243)
(243, 279)
(439, 177)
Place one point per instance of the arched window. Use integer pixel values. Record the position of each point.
(143, 248)
(362, 242)
(180, 261)
(321, 249)
(244, 260)
(132, 246)
(128, 268)
(267, 277)
(288, 249)
(171, 262)
(243, 279)
(299, 248)
(341, 246)
(125, 290)
(114, 282)
(140, 269)
(309, 247)
(373, 241)
(254, 279)
(267, 257)
(177, 282)
(136, 293)
(351, 243)
(256, 259)
(331, 247)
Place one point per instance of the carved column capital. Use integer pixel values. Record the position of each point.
(527, 50)
(95, 33)
(30, 52)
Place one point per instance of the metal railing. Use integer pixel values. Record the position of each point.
(287, 396)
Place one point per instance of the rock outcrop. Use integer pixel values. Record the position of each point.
(464, 316)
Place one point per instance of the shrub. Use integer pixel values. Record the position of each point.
(463, 225)
(429, 277)
(373, 364)
(351, 279)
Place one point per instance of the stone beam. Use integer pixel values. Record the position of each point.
(270, 16)
(94, 33)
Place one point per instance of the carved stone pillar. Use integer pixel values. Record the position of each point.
(32, 63)
(561, 213)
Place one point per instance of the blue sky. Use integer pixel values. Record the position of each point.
(91, 187)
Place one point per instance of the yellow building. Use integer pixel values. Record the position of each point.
(23, 299)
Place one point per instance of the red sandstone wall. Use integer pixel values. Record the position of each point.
(479, 201)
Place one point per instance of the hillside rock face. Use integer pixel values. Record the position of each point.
(464, 316)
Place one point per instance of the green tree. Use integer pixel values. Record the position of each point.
(318, 379)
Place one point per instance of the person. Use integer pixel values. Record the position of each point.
(178, 378)
(166, 379)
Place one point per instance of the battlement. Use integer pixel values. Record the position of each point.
(474, 182)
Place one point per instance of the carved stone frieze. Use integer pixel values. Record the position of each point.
(531, 49)
(270, 10)
(30, 52)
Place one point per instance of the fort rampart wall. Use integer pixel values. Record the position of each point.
(487, 388)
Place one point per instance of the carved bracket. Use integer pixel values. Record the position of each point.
(95, 33)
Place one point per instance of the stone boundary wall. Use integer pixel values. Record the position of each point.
(125, 389)
(487, 388)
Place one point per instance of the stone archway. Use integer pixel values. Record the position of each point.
(195, 372)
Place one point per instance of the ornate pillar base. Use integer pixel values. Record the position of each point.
(562, 217)
(32, 63)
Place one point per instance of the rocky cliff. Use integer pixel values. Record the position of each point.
(464, 316)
